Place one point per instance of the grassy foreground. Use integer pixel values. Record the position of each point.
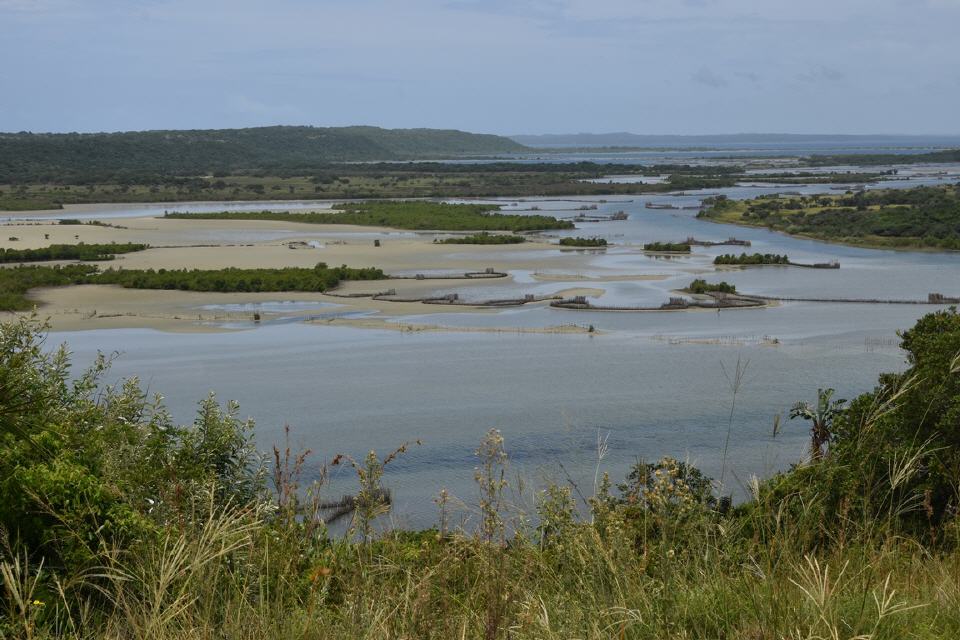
(118, 523)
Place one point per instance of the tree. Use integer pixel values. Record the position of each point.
(821, 418)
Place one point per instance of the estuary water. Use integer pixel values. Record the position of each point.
(651, 384)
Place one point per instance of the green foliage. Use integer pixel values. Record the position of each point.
(672, 247)
(420, 215)
(81, 251)
(83, 467)
(484, 238)
(662, 500)
(54, 156)
(121, 524)
(293, 178)
(583, 242)
(821, 417)
(16, 282)
(922, 217)
(752, 259)
(702, 286)
(320, 278)
(901, 443)
(867, 159)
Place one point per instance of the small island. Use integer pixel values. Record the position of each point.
(667, 247)
(589, 243)
(417, 215)
(701, 286)
(483, 237)
(762, 259)
(754, 259)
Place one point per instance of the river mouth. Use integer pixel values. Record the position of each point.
(348, 377)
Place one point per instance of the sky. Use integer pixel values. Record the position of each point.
(493, 66)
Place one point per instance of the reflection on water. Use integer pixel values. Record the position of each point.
(654, 381)
(657, 387)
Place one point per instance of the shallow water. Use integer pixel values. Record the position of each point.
(656, 382)
(350, 390)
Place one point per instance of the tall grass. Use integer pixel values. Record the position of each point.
(655, 557)
(234, 572)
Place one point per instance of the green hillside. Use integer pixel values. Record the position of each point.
(37, 157)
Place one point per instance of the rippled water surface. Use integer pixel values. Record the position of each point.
(657, 383)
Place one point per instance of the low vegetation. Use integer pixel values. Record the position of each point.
(751, 259)
(418, 214)
(868, 159)
(16, 282)
(332, 181)
(81, 251)
(667, 247)
(484, 238)
(119, 523)
(918, 218)
(702, 286)
(583, 242)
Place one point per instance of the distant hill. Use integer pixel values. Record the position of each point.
(58, 156)
(786, 140)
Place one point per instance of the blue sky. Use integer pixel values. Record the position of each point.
(499, 66)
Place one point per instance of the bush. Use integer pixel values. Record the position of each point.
(121, 524)
(485, 238)
(405, 214)
(583, 242)
(752, 259)
(85, 470)
(85, 252)
(702, 286)
(672, 247)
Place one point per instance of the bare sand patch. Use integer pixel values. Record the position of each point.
(217, 244)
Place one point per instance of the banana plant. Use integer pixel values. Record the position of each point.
(821, 417)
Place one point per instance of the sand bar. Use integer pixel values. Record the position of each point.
(215, 244)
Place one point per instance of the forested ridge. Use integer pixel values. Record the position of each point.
(38, 157)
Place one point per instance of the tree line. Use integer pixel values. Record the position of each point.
(80, 251)
(483, 237)
(582, 242)
(672, 247)
(406, 214)
(751, 259)
(16, 282)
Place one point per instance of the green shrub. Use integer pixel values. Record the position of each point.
(83, 467)
(752, 259)
(702, 286)
(485, 238)
(403, 214)
(583, 242)
(672, 247)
